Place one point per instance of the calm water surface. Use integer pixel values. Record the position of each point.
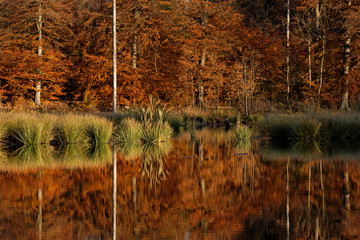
(203, 188)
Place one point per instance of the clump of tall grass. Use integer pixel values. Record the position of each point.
(128, 131)
(175, 121)
(305, 129)
(28, 129)
(70, 129)
(276, 127)
(155, 128)
(290, 127)
(242, 132)
(98, 130)
(98, 135)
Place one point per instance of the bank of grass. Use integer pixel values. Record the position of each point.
(127, 131)
(323, 127)
(70, 129)
(27, 129)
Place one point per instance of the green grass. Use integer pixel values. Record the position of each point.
(242, 133)
(28, 129)
(154, 127)
(128, 131)
(98, 130)
(70, 129)
(290, 127)
(305, 129)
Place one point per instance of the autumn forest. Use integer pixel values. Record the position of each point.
(185, 53)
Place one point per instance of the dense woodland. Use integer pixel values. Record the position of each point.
(186, 53)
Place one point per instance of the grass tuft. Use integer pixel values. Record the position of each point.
(128, 131)
(242, 133)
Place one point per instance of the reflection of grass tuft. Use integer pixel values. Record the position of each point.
(152, 165)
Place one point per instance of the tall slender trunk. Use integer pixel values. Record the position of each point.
(135, 39)
(201, 82)
(39, 24)
(245, 85)
(309, 60)
(114, 59)
(288, 54)
(204, 22)
(317, 15)
(321, 79)
(344, 105)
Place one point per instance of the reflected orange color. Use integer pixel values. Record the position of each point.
(216, 195)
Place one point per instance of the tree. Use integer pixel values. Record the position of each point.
(43, 25)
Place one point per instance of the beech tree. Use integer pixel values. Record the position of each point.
(40, 31)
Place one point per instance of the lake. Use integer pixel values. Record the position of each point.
(205, 187)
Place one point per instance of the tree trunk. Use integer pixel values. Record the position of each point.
(114, 59)
(245, 85)
(321, 79)
(344, 105)
(309, 60)
(201, 82)
(288, 54)
(135, 40)
(317, 13)
(204, 22)
(39, 24)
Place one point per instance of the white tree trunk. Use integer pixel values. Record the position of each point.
(39, 24)
(288, 54)
(344, 106)
(114, 60)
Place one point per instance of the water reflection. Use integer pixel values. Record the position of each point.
(202, 188)
(38, 156)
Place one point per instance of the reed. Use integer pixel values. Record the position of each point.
(155, 128)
